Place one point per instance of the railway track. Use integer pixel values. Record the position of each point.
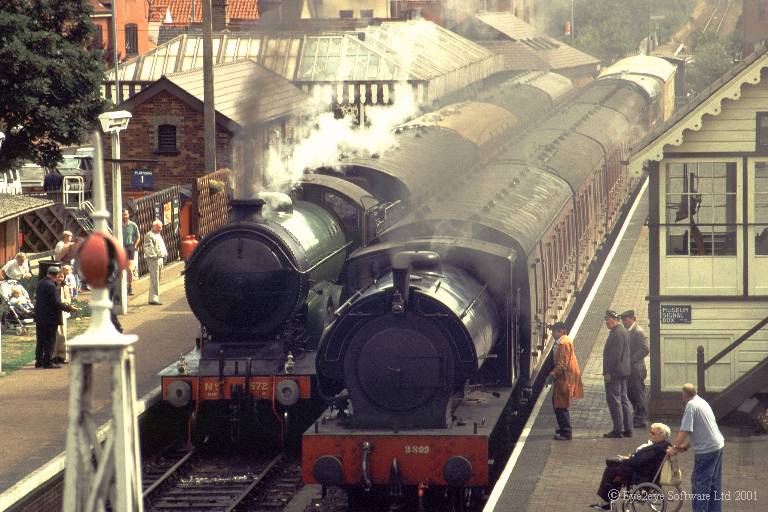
(718, 16)
(196, 482)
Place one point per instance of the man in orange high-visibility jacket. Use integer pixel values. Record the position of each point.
(566, 378)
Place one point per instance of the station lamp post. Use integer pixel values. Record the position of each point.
(113, 123)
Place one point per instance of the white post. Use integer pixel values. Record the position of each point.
(117, 213)
(99, 474)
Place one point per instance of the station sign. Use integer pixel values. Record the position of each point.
(142, 179)
(675, 314)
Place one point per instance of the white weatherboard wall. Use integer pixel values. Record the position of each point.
(714, 325)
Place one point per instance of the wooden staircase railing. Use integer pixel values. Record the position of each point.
(742, 388)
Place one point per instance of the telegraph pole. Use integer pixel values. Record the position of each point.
(209, 107)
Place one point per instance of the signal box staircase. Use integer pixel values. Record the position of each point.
(753, 383)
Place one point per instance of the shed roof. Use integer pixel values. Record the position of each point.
(245, 92)
(707, 102)
(525, 47)
(12, 206)
(393, 51)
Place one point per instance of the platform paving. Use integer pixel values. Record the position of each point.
(564, 476)
(33, 414)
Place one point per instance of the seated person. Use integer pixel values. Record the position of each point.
(21, 304)
(637, 468)
(16, 269)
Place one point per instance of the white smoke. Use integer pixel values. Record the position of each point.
(332, 140)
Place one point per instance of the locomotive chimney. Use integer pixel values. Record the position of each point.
(245, 209)
(402, 263)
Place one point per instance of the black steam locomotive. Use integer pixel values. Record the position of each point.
(445, 318)
(264, 286)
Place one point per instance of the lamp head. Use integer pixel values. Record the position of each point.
(115, 121)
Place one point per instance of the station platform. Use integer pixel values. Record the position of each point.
(544, 474)
(33, 416)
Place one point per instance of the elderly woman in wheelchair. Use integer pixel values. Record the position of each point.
(641, 466)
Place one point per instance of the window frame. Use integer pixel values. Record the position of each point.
(758, 225)
(761, 149)
(132, 41)
(704, 228)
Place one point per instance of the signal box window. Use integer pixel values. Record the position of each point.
(701, 209)
(166, 139)
(131, 39)
(762, 132)
(346, 14)
(761, 208)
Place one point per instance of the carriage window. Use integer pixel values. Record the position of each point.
(761, 208)
(701, 209)
(346, 211)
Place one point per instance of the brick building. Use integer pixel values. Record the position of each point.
(225, 14)
(754, 24)
(131, 17)
(258, 113)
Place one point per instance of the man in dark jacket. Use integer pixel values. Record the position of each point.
(641, 466)
(48, 308)
(638, 349)
(615, 373)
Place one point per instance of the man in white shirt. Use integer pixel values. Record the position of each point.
(17, 268)
(155, 252)
(699, 429)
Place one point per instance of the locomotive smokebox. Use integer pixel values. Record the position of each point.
(246, 279)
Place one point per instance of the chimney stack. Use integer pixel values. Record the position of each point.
(219, 18)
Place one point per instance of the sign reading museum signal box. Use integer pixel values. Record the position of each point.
(675, 314)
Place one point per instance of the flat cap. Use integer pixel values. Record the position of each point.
(558, 326)
(53, 270)
(611, 314)
(630, 313)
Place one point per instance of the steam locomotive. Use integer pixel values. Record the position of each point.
(442, 331)
(265, 285)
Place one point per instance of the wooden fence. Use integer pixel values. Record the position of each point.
(166, 206)
(210, 203)
(42, 229)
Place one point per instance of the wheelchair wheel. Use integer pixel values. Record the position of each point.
(674, 505)
(647, 497)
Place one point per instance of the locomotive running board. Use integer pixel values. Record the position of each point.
(421, 454)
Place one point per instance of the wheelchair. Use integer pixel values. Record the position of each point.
(651, 496)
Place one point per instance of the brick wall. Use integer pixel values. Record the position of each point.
(140, 141)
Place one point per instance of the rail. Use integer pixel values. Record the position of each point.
(702, 366)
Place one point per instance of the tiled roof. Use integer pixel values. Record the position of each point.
(14, 205)
(246, 92)
(517, 56)
(99, 8)
(181, 10)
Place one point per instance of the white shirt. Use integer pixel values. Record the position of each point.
(13, 270)
(154, 246)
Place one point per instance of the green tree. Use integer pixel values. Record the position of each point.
(712, 58)
(49, 78)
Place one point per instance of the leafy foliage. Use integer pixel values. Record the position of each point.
(612, 29)
(712, 58)
(49, 79)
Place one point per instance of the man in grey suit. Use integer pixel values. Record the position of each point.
(638, 349)
(615, 372)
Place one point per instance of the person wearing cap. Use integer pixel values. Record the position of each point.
(566, 380)
(48, 309)
(638, 349)
(615, 373)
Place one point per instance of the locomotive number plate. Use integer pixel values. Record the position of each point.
(413, 449)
